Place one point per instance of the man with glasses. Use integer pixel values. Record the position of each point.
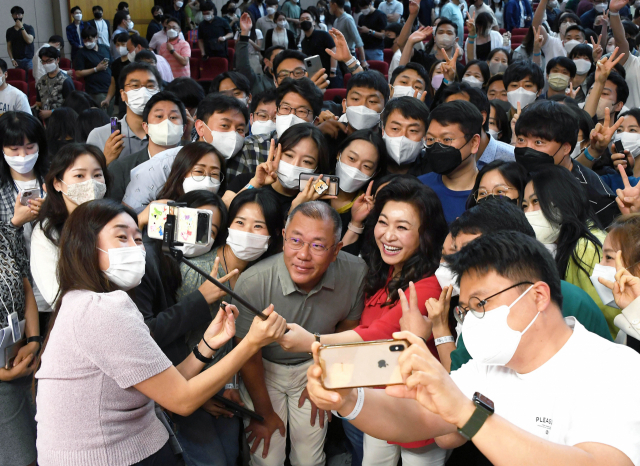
(54, 86)
(138, 81)
(452, 142)
(530, 395)
(263, 113)
(313, 284)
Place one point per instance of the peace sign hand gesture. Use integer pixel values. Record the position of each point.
(267, 172)
(361, 207)
(597, 48)
(626, 287)
(601, 135)
(471, 24)
(449, 65)
(628, 199)
(605, 65)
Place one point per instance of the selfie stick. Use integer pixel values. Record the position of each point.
(169, 248)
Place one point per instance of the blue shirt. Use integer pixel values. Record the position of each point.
(614, 181)
(452, 12)
(74, 39)
(496, 150)
(453, 202)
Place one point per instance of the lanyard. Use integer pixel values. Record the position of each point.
(13, 304)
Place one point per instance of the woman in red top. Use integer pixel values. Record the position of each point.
(403, 240)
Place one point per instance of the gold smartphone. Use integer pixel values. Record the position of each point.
(361, 364)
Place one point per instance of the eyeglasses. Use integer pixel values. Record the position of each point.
(263, 116)
(317, 249)
(48, 61)
(136, 86)
(300, 112)
(295, 74)
(497, 191)
(198, 174)
(476, 305)
(444, 141)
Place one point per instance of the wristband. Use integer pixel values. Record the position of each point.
(200, 357)
(446, 81)
(38, 339)
(350, 62)
(355, 229)
(443, 340)
(614, 13)
(95, 69)
(472, 37)
(353, 414)
(588, 156)
(537, 54)
(249, 186)
(334, 70)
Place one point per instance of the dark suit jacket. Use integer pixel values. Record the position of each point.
(120, 171)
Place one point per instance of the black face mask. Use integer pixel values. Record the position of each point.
(495, 198)
(444, 159)
(97, 15)
(531, 159)
(388, 42)
(306, 25)
(157, 17)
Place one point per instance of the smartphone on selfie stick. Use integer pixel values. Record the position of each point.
(169, 247)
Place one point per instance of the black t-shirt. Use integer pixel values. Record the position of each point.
(240, 181)
(428, 59)
(209, 32)
(315, 45)
(153, 27)
(19, 48)
(482, 51)
(116, 68)
(95, 83)
(377, 22)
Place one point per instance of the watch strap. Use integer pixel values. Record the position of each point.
(38, 338)
(199, 356)
(477, 419)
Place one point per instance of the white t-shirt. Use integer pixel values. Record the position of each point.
(13, 99)
(632, 67)
(587, 392)
(553, 47)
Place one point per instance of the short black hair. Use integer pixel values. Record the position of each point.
(188, 90)
(565, 62)
(267, 53)
(3, 66)
(220, 103)
(484, 69)
(123, 5)
(137, 39)
(459, 112)
(519, 70)
(207, 6)
(49, 52)
(512, 255)
(16, 10)
(476, 96)
(155, 8)
(122, 37)
(303, 87)
(514, 174)
(262, 98)
(340, 3)
(96, 8)
(371, 79)
(409, 107)
(139, 66)
(507, 52)
(549, 120)
(490, 216)
(240, 81)
(284, 55)
(164, 96)
(622, 88)
(88, 31)
(576, 27)
(119, 17)
(76, 8)
(417, 67)
(173, 19)
(56, 39)
(444, 21)
(144, 55)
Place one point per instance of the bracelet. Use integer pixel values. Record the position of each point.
(614, 13)
(354, 67)
(537, 54)
(200, 357)
(471, 41)
(446, 81)
(355, 229)
(207, 345)
(249, 186)
(473, 36)
(443, 340)
(95, 69)
(38, 339)
(353, 414)
(588, 156)
(350, 62)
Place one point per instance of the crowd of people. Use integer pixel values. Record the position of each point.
(421, 171)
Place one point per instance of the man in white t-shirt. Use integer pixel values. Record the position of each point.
(630, 62)
(393, 9)
(550, 382)
(11, 99)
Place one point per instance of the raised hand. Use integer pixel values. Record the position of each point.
(267, 172)
(361, 207)
(617, 5)
(449, 65)
(211, 292)
(245, 24)
(342, 52)
(438, 309)
(597, 48)
(538, 39)
(297, 339)
(412, 319)
(606, 64)
(320, 79)
(422, 34)
(625, 158)
(222, 328)
(601, 135)
(626, 287)
(323, 398)
(628, 199)
(414, 8)
(310, 194)
(471, 24)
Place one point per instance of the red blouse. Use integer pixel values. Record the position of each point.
(379, 322)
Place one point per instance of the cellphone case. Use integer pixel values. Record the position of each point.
(9, 348)
(186, 220)
(361, 364)
(333, 186)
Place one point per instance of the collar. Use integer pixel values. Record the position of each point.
(129, 133)
(489, 154)
(288, 286)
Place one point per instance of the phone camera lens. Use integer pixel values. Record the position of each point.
(396, 348)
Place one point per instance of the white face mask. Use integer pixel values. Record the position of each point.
(50, 67)
(207, 184)
(172, 33)
(322, 18)
(90, 45)
(610, 48)
(402, 149)
(179, 4)
(496, 67)
(582, 66)
(404, 91)
(553, 4)
(207, 17)
(563, 28)
(86, 191)
(282, 24)
(165, 133)
(284, 122)
(558, 81)
(521, 95)
(130, 25)
(263, 127)
(131, 56)
(494, 134)
(569, 45)
(78, 16)
(630, 141)
(444, 41)
(247, 246)
(122, 51)
(605, 294)
(489, 339)
(270, 11)
(546, 232)
(446, 277)
(361, 117)
(22, 165)
(195, 250)
(289, 175)
(473, 82)
(600, 7)
(351, 179)
(576, 151)
(126, 266)
(228, 143)
(138, 98)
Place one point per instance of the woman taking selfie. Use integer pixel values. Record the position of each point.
(402, 243)
(106, 416)
(499, 179)
(78, 174)
(255, 232)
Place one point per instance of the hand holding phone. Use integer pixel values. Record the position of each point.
(325, 186)
(313, 64)
(28, 194)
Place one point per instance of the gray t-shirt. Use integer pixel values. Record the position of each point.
(347, 26)
(339, 296)
(132, 143)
